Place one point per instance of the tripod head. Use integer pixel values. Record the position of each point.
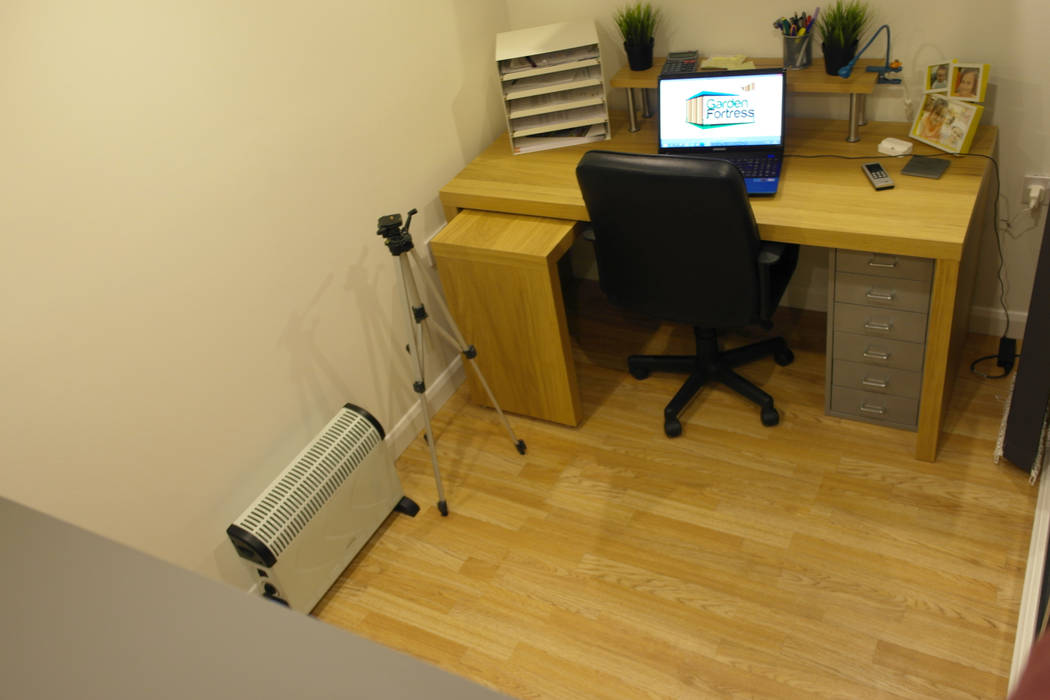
(397, 239)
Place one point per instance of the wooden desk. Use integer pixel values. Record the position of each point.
(824, 202)
(812, 79)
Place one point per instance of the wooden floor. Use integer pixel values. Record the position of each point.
(814, 559)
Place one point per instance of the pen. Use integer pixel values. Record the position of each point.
(799, 24)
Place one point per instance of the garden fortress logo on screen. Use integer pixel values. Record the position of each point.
(711, 109)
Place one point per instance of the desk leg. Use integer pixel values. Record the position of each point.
(631, 118)
(855, 107)
(936, 365)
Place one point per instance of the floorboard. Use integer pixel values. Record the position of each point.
(815, 559)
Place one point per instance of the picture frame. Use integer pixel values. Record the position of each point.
(946, 123)
(938, 77)
(969, 81)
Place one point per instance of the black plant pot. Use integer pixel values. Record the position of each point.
(836, 56)
(639, 56)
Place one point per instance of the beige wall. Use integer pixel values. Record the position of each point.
(190, 281)
(190, 278)
(1010, 35)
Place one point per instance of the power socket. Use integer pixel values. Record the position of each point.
(1042, 180)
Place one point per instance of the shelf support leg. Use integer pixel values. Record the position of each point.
(632, 120)
(646, 110)
(854, 117)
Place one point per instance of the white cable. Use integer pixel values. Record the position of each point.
(908, 115)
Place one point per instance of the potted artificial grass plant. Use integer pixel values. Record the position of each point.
(637, 23)
(841, 25)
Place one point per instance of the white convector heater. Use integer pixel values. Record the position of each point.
(306, 526)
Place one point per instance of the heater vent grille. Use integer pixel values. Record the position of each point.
(295, 496)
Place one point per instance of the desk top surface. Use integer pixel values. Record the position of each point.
(824, 202)
(811, 79)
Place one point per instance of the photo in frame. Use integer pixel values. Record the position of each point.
(947, 124)
(938, 76)
(968, 81)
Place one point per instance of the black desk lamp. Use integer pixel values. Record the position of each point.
(893, 67)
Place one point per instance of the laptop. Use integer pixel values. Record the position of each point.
(734, 115)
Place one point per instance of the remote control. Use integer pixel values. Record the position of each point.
(879, 179)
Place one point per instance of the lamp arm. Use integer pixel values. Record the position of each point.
(845, 71)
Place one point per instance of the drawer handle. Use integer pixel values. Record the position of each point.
(879, 326)
(872, 409)
(877, 383)
(880, 296)
(883, 265)
(876, 354)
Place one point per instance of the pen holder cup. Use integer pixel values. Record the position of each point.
(798, 51)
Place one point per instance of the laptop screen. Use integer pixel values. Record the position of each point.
(723, 109)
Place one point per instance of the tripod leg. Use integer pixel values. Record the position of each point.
(415, 331)
(468, 351)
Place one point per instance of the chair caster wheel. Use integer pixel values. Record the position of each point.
(638, 372)
(770, 417)
(784, 358)
(672, 427)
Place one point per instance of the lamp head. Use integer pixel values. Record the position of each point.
(845, 71)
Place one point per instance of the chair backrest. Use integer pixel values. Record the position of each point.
(675, 237)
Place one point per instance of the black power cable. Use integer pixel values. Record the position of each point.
(1007, 346)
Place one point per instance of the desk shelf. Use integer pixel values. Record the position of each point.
(551, 83)
(558, 121)
(813, 80)
(511, 72)
(542, 104)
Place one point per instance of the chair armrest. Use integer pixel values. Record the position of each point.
(768, 255)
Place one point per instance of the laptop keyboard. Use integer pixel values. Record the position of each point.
(756, 166)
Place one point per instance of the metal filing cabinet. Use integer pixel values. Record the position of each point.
(878, 312)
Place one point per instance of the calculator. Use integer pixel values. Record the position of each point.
(681, 62)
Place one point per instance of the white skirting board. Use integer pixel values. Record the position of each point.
(438, 392)
(1035, 569)
(1027, 624)
(988, 320)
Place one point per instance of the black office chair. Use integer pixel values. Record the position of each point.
(675, 239)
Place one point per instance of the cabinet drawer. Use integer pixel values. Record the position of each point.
(878, 352)
(888, 292)
(877, 408)
(881, 322)
(876, 380)
(883, 265)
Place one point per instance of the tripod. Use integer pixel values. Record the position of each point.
(399, 242)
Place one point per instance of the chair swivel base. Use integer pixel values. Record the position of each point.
(710, 364)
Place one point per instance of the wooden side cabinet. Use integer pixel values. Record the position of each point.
(500, 276)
